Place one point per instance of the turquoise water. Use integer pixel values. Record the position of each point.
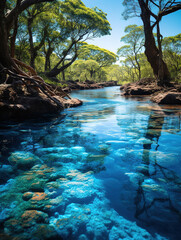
(109, 169)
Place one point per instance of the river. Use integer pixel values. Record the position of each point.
(109, 169)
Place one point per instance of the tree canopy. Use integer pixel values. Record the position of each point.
(134, 39)
(103, 56)
(151, 13)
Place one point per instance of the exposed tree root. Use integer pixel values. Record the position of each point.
(24, 65)
(32, 81)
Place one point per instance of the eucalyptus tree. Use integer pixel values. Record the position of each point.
(115, 72)
(103, 56)
(8, 18)
(151, 13)
(88, 70)
(172, 54)
(37, 20)
(82, 23)
(134, 39)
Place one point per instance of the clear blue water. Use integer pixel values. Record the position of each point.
(109, 169)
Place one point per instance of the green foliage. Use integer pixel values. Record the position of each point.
(58, 28)
(103, 56)
(134, 40)
(146, 70)
(86, 70)
(172, 55)
(115, 73)
(81, 19)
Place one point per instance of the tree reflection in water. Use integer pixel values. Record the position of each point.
(157, 200)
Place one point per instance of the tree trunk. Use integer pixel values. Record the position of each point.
(151, 50)
(63, 72)
(32, 51)
(5, 59)
(55, 71)
(47, 58)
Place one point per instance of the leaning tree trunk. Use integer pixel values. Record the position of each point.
(151, 51)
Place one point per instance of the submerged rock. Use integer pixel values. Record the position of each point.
(100, 221)
(24, 160)
(31, 217)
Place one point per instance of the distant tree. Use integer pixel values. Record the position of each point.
(146, 69)
(103, 56)
(135, 40)
(83, 23)
(151, 13)
(115, 73)
(86, 69)
(172, 54)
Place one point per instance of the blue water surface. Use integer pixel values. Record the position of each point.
(109, 169)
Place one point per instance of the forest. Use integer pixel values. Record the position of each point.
(44, 37)
(89, 136)
(45, 42)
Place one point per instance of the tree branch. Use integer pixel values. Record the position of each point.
(170, 10)
(24, 5)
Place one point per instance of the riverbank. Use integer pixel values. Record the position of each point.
(76, 85)
(20, 101)
(148, 87)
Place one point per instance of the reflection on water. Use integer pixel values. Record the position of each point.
(109, 169)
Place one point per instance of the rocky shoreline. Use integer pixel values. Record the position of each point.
(148, 87)
(18, 101)
(76, 85)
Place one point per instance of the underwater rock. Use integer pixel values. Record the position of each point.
(24, 160)
(50, 150)
(4, 236)
(82, 237)
(26, 196)
(81, 187)
(72, 221)
(33, 180)
(27, 220)
(135, 178)
(100, 221)
(45, 232)
(6, 172)
(144, 140)
(4, 214)
(31, 217)
(104, 148)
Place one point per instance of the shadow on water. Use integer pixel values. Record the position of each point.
(14, 136)
(159, 187)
